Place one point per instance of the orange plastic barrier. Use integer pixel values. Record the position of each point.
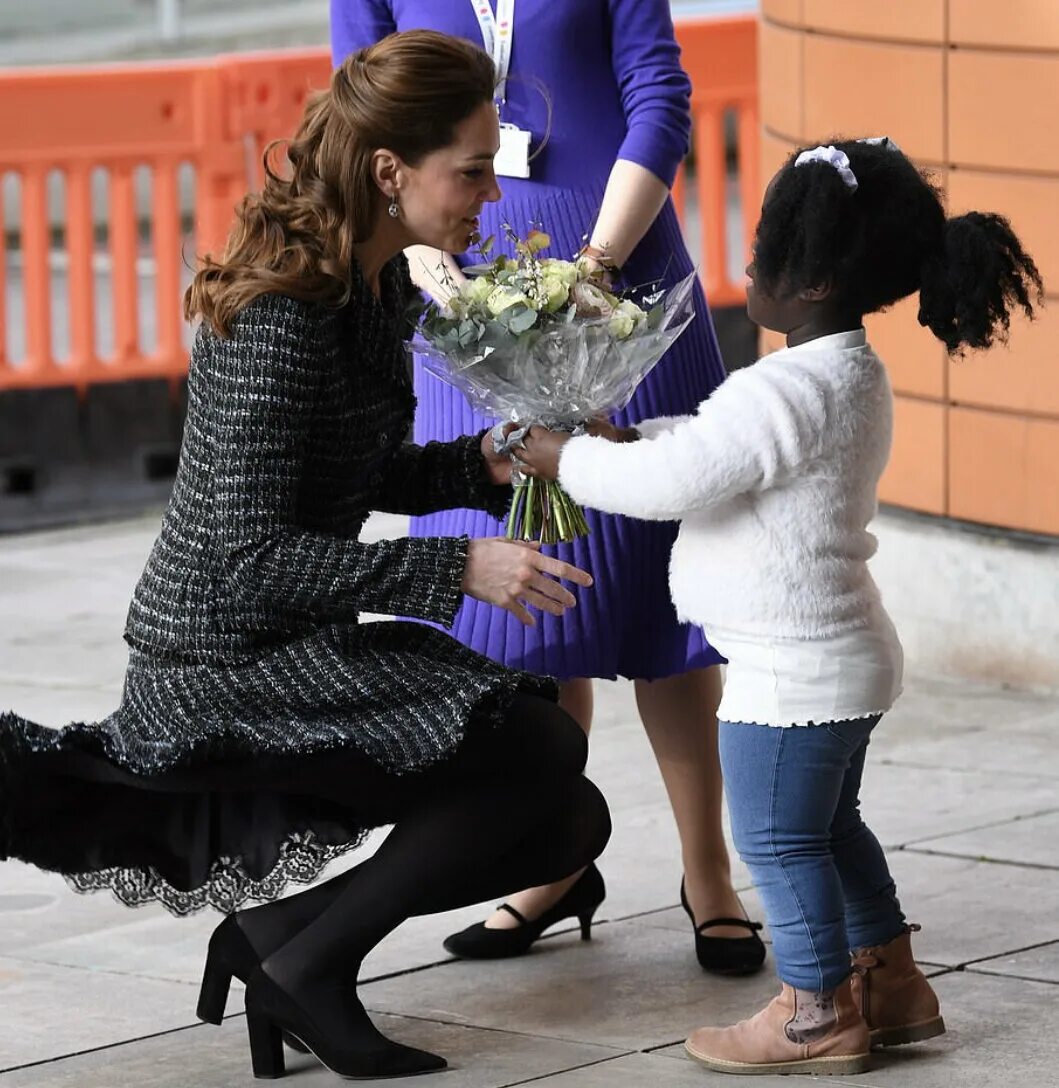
(119, 119)
(215, 117)
(265, 99)
(720, 56)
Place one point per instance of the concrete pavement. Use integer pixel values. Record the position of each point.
(963, 788)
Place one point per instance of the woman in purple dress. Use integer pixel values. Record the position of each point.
(598, 86)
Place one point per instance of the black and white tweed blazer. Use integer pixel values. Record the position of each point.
(245, 624)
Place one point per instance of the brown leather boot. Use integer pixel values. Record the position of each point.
(893, 995)
(797, 1032)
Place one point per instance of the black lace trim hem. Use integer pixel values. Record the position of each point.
(302, 858)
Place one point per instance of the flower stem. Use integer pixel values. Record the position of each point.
(514, 515)
(528, 520)
(542, 511)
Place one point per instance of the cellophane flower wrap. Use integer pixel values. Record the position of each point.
(539, 340)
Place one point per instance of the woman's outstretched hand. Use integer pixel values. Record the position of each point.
(512, 574)
(497, 465)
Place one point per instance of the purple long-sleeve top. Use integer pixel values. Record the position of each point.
(610, 69)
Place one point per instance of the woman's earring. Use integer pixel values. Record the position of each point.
(394, 209)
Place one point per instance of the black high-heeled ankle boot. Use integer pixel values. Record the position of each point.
(726, 955)
(581, 901)
(230, 955)
(272, 1015)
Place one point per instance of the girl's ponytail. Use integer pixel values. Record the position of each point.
(972, 282)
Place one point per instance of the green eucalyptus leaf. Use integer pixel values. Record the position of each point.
(522, 320)
(467, 333)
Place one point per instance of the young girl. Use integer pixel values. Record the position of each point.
(774, 483)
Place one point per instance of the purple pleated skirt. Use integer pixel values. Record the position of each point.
(625, 625)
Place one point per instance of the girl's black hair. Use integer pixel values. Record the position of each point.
(888, 238)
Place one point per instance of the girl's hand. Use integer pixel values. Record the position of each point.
(512, 574)
(603, 428)
(539, 455)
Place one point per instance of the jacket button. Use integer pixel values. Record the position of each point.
(384, 438)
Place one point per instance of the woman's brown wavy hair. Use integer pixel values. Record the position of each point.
(407, 93)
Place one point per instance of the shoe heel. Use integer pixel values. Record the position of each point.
(266, 1046)
(213, 994)
(586, 925)
(910, 1033)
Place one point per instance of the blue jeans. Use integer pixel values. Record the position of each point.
(820, 872)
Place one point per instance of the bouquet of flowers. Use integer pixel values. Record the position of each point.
(542, 340)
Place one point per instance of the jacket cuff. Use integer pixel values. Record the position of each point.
(655, 150)
(482, 493)
(440, 565)
(652, 428)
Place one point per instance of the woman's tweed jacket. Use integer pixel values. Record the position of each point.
(244, 626)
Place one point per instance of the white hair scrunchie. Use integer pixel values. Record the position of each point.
(833, 157)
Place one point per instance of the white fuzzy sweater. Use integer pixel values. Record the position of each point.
(774, 483)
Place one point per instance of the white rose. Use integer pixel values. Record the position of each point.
(477, 290)
(502, 298)
(554, 293)
(566, 271)
(630, 309)
(620, 325)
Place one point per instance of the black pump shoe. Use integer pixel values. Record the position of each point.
(273, 1015)
(581, 901)
(230, 955)
(726, 955)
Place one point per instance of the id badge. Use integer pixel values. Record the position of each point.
(512, 160)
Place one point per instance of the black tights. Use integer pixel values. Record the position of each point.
(509, 810)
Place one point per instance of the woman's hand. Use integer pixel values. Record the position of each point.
(599, 272)
(513, 574)
(497, 465)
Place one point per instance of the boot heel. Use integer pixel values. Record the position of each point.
(266, 1046)
(586, 925)
(908, 1033)
(213, 994)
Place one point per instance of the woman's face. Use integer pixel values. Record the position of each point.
(441, 197)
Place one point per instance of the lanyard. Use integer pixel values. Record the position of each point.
(498, 33)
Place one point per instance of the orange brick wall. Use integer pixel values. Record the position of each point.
(970, 89)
